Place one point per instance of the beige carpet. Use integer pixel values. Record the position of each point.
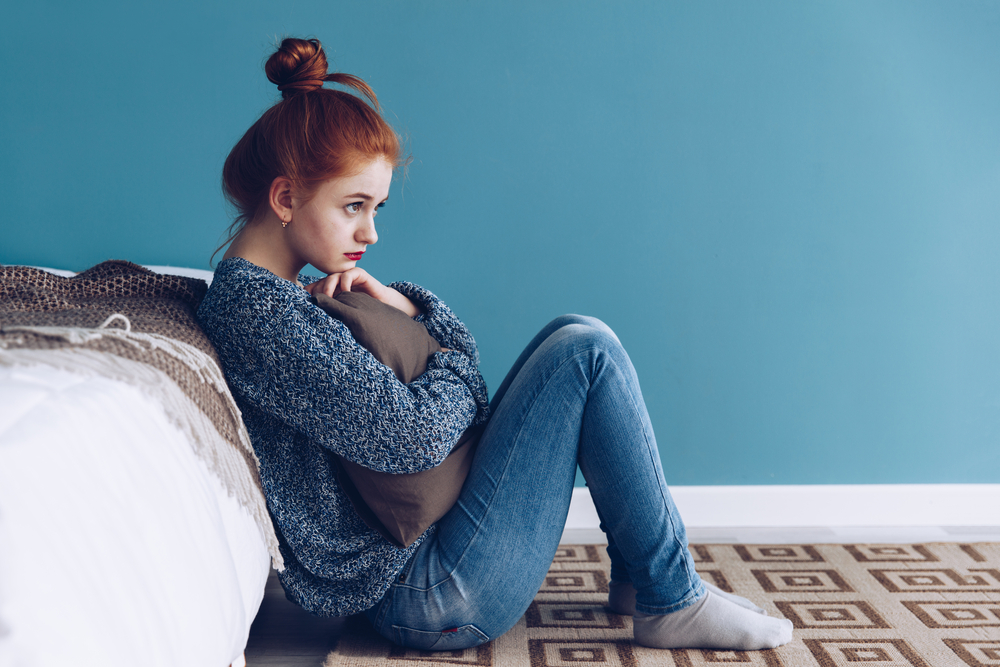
(920, 605)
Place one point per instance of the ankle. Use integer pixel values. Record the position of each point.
(621, 597)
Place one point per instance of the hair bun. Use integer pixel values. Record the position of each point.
(298, 66)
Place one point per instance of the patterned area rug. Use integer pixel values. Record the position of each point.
(853, 605)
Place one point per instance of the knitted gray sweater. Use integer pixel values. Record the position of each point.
(308, 390)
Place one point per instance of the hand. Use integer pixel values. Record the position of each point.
(358, 280)
(352, 280)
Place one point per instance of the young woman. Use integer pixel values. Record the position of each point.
(307, 180)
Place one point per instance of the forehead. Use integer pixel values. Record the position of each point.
(373, 180)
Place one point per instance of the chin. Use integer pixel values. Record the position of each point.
(329, 268)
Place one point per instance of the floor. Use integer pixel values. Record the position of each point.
(283, 635)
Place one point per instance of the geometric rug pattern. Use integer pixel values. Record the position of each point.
(852, 605)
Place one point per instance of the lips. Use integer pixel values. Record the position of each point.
(353, 256)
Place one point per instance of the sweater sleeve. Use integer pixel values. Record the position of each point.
(304, 367)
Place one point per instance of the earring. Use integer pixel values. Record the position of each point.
(284, 223)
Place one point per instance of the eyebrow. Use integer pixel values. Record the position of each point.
(362, 195)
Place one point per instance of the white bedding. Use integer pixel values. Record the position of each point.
(117, 545)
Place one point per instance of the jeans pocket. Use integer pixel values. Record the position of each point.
(462, 637)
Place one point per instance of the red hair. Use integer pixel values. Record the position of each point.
(312, 135)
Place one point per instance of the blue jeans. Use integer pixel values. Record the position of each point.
(571, 398)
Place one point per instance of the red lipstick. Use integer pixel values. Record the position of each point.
(354, 256)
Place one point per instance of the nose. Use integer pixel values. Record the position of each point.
(366, 232)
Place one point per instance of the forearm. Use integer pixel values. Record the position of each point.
(397, 300)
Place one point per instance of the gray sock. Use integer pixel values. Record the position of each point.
(621, 598)
(713, 623)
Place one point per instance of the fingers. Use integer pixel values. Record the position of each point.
(347, 279)
(352, 280)
(327, 286)
(358, 280)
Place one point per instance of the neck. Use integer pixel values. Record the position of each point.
(263, 243)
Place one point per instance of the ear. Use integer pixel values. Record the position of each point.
(280, 198)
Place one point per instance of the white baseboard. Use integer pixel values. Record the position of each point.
(821, 505)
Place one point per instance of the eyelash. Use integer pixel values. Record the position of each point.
(355, 207)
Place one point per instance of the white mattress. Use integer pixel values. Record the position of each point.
(117, 546)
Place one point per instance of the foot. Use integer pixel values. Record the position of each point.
(621, 598)
(712, 623)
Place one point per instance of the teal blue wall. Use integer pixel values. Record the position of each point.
(787, 210)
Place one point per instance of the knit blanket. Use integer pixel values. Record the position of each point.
(122, 321)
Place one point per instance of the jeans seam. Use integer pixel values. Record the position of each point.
(511, 451)
(404, 576)
(424, 590)
(653, 455)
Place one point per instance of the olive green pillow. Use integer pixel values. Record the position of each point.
(400, 507)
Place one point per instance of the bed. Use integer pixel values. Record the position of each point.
(133, 530)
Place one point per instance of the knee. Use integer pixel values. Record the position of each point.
(585, 322)
(586, 336)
